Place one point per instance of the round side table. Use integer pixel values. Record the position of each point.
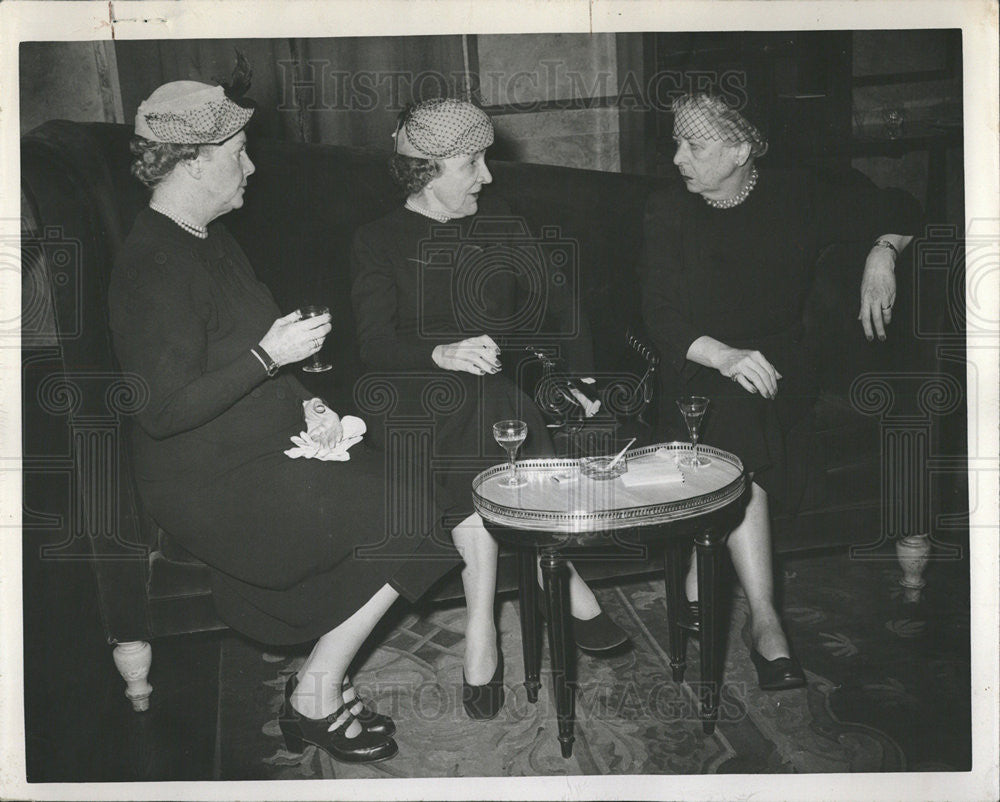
(560, 509)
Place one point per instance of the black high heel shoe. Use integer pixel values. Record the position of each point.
(298, 730)
(370, 720)
(597, 634)
(483, 702)
(779, 674)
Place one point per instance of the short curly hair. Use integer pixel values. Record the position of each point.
(154, 161)
(413, 174)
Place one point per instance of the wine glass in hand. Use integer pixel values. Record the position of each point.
(510, 434)
(693, 408)
(315, 366)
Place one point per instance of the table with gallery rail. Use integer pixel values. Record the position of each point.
(559, 509)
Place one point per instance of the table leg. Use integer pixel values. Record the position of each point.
(673, 577)
(527, 599)
(562, 652)
(711, 656)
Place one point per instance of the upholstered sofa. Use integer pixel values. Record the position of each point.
(303, 204)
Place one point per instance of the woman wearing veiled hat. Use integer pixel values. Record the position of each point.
(727, 262)
(212, 446)
(432, 291)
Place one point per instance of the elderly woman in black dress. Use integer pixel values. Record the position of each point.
(727, 262)
(190, 318)
(414, 317)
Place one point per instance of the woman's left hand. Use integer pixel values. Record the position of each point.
(878, 292)
(322, 423)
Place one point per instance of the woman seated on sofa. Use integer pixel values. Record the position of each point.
(409, 322)
(726, 265)
(191, 319)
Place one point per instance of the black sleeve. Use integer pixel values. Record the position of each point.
(160, 335)
(849, 207)
(662, 280)
(374, 297)
(298, 388)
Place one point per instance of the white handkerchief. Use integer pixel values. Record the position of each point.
(354, 429)
(651, 473)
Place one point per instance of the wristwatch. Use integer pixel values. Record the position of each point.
(884, 243)
(265, 359)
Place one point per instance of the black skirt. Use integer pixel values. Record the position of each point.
(766, 434)
(297, 546)
(462, 443)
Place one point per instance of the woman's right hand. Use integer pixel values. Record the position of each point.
(750, 369)
(477, 355)
(291, 339)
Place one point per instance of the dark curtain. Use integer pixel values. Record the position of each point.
(339, 91)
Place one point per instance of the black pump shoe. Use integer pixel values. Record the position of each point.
(779, 674)
(370, 720)
(483, 702)
(597, 634)
(298, 730)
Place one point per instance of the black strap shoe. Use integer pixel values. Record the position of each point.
(370, 720)
(299, 730)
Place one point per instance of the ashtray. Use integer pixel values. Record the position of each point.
(597, 467)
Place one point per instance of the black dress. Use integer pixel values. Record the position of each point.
(417, 284)
(741, 275)
(281, 535)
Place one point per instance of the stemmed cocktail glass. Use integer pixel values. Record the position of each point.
(693, 408)
(316, 365)
(510, 434)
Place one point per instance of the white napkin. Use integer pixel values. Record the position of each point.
(305, 446)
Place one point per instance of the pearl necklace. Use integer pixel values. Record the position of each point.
(739, 197)
(413, 207)
(201, 232)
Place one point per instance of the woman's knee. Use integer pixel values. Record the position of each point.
(473, 540)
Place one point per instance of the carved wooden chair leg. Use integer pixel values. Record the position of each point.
(133, 660)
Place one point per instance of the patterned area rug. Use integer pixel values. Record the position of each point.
(888, 691)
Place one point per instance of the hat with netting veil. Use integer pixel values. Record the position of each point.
(439, 129)
(704, 116)
(190, 113)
